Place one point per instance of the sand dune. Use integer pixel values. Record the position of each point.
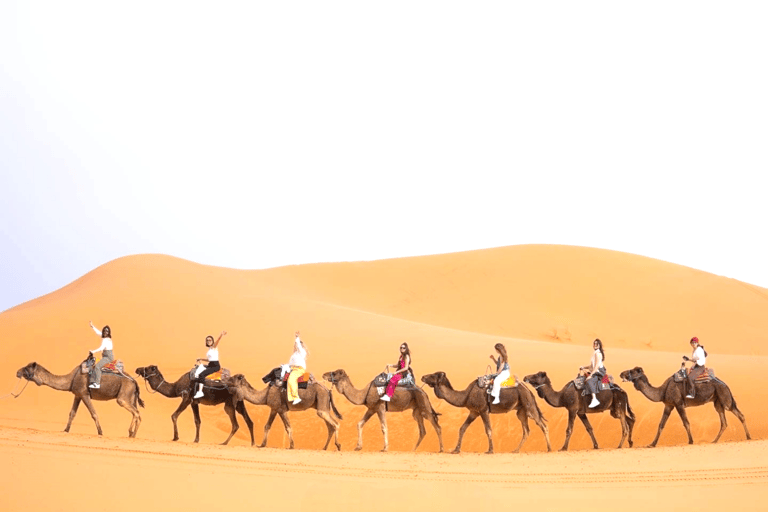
(545, 303)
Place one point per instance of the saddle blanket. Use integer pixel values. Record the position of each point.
(706, 376)
(382, 379)
(115, 366)
(277, 377)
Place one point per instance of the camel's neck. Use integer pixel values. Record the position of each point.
(450, 395)
(354, 395)
(651, 393)
(256, 397)
(159, 384)
(552, 397)
(58, 382)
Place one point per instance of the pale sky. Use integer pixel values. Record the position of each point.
(261, 134)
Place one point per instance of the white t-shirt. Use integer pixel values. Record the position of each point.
(212, 355)
(597, 361)
(106, 343)
(699, 357)
(298, 358)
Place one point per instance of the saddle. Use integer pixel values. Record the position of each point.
(706, 376)
(273, 379)
(486, 381)
(605, 384)
(382, 379)
(219, 376)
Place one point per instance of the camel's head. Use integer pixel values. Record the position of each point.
(29, 372)
(434, 379)
(632, 375)
(236, 385)
(148, 371)
(537, 379)
(334, 376)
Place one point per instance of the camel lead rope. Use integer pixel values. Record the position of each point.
(12, 393)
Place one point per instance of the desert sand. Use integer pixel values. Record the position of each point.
(545, 303)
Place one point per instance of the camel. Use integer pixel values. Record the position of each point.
(403, 400)
(475, 399)
(615, 400)
(315, 396)
(113, 387)
(183, 388)
(671, 393)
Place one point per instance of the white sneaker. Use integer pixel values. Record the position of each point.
(689, 396)
(496, 401)
(594, 403)
(296, 401)
(94, 386)
(199, 394)
(385, 398)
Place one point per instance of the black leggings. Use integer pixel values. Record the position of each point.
(212, 368)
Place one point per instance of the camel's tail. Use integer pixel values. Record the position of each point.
(535, 404)
(138, 398)
(333, 405)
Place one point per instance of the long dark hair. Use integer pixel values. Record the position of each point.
(407, 352)
(600, 343)
(106, 332)
(503, 351)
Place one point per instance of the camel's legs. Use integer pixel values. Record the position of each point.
(92, 410)
(333, 427)
(230, 410)
(240, 407)
(196, 413)
(736, 412)
(588, 426)
(472, 417)
(382, 414)
(366, 417)
(544, 428)
(433, 420)
(624, 428)
(569, 429)
(288, 428)
(72, 413)
(175, 416)
(723, 420)
(664, 417)
(687, 424)
(486, 417)
(134, 412)
(422, 429)
(523, 417)
(267, 426)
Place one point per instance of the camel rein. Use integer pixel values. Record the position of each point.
(15, 395)
(149, 388)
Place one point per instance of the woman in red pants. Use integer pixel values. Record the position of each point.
(403, 366)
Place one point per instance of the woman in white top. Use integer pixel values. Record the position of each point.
(596, 371)
(106, 355)
(210, 364)
(698, 358)
(502, 370)
(298, 364)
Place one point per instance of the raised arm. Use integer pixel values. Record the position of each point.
(216, 343)
(95, 329)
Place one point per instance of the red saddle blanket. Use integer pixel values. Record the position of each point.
(114, 366)
(303, 378)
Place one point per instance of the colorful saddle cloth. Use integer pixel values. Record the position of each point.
(273, 378)
(707, 375)
(115, 366)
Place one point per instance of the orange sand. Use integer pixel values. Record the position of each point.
(545, 303)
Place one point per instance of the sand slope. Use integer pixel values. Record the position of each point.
(545, 303)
